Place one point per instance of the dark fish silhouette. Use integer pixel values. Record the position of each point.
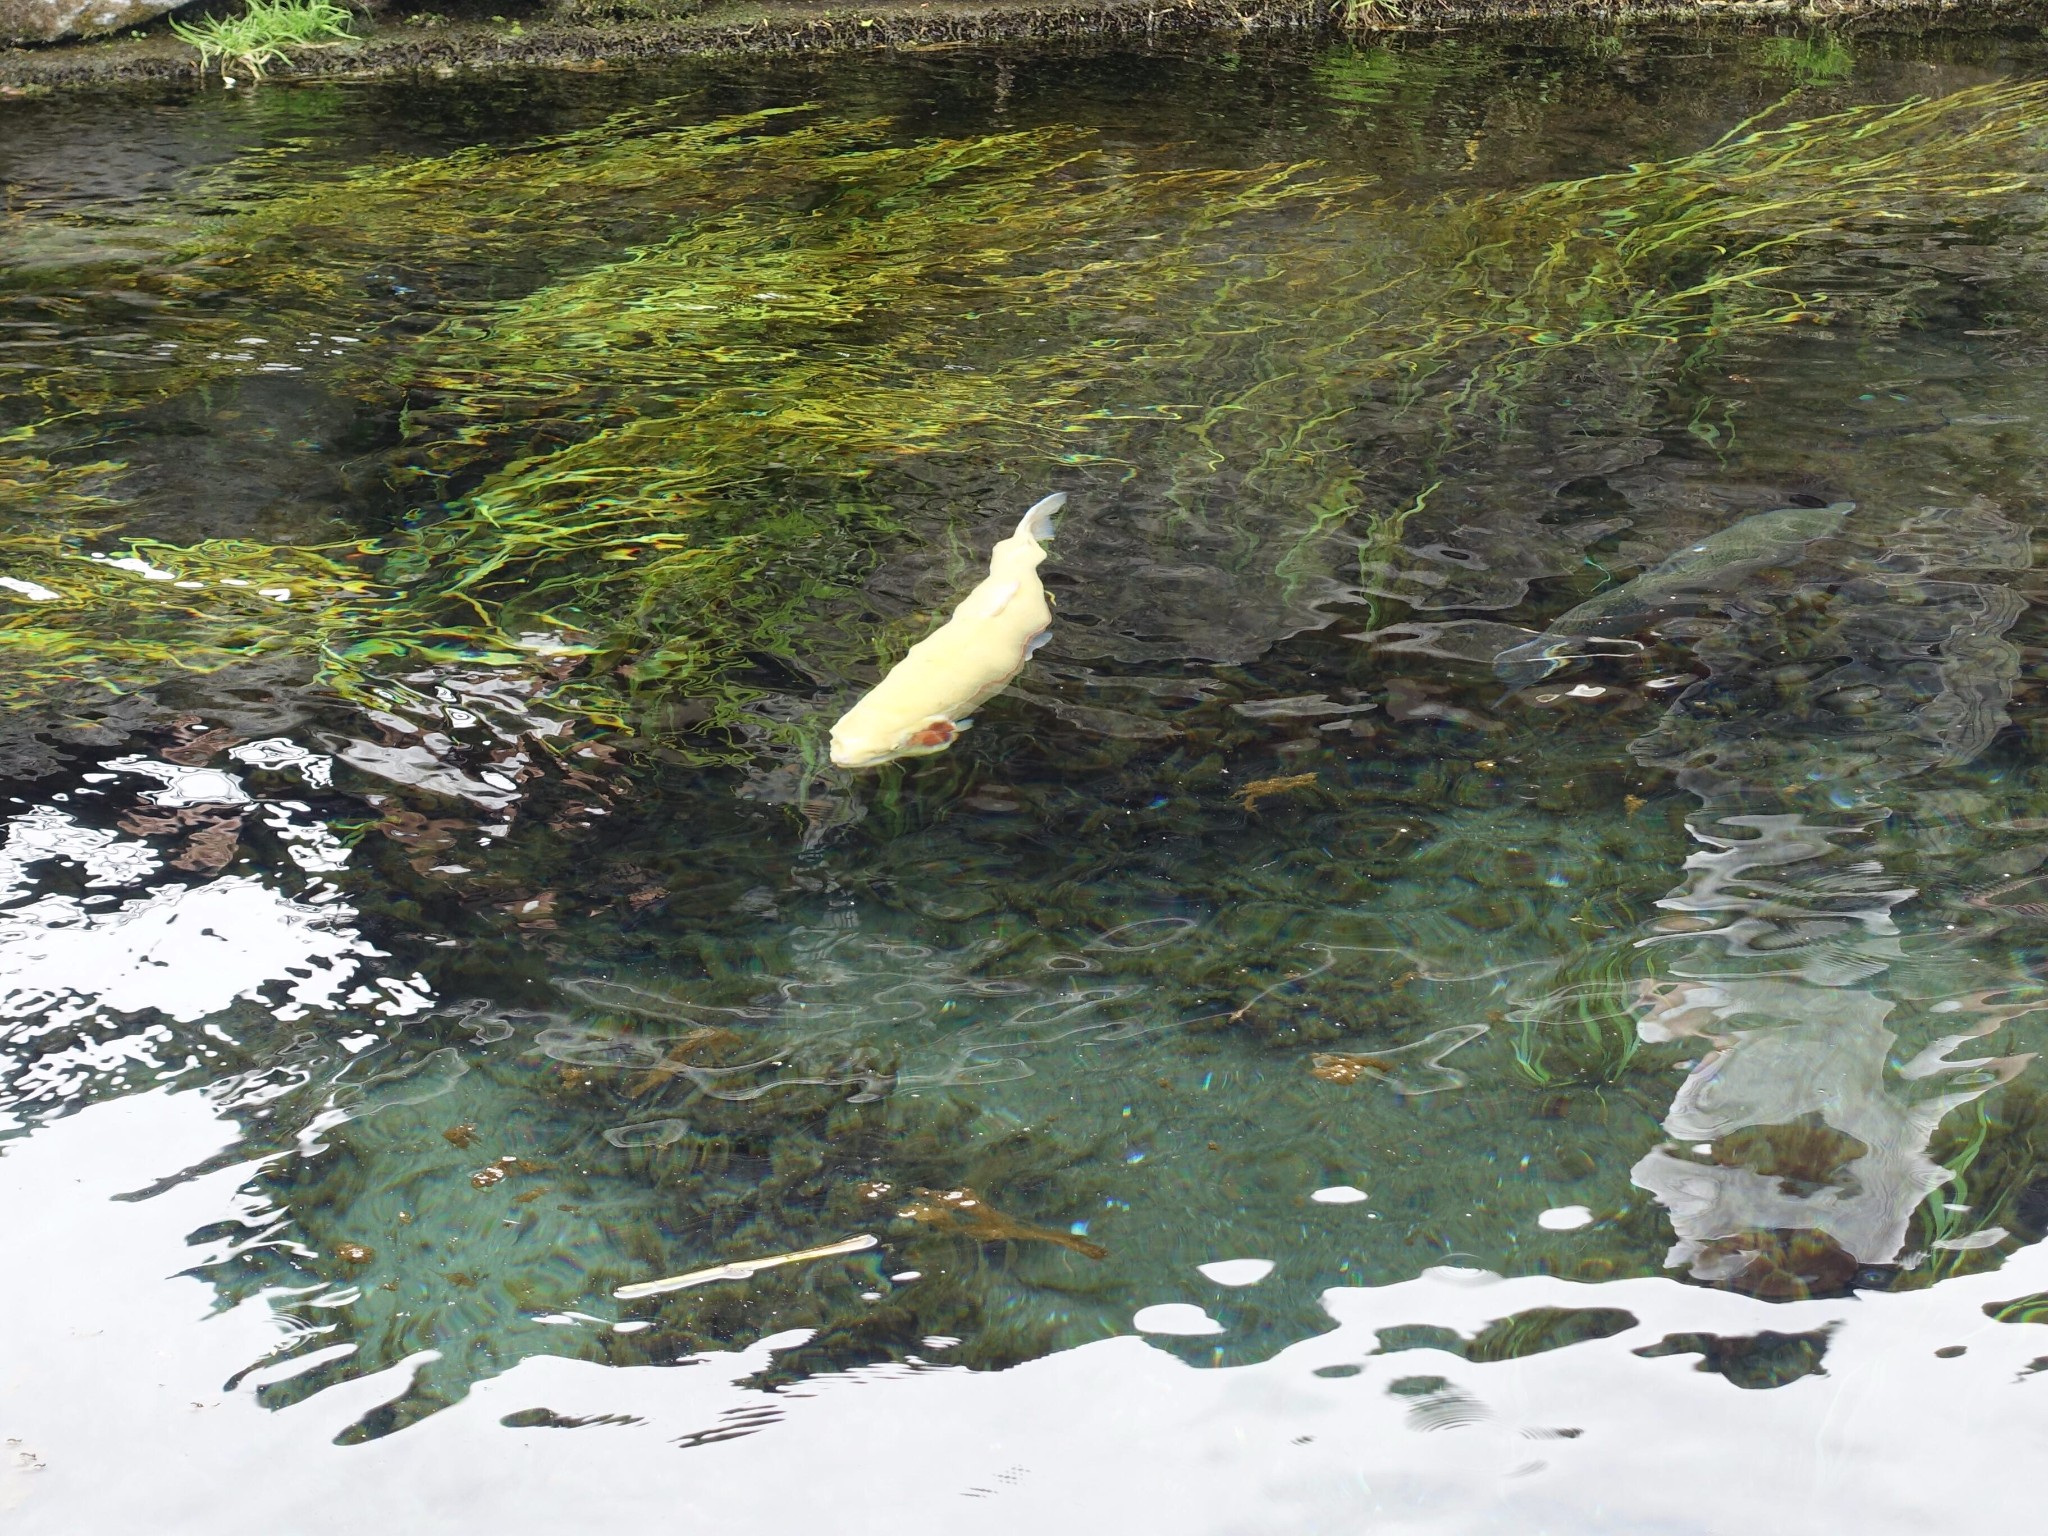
(1714, 564)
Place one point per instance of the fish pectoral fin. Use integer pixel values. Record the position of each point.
(933, 733)
(998, 600)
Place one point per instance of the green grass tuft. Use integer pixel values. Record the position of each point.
(267, 32)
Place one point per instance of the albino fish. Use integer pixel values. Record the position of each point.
(742, 1269)
(924, 702)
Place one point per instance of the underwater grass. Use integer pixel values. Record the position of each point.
(653, 467)
(784, 338)
(1583, 1031)
(1634, 277)
(90, 614)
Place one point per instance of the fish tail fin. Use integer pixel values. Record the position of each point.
(1036, 524)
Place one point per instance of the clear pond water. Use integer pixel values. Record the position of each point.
(1487, 979)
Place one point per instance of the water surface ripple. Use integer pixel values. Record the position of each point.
(1489, 978)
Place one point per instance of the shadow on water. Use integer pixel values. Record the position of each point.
(429, 580)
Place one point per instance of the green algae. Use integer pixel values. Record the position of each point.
(1637, 277)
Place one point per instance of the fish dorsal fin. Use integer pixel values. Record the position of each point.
(995, 602)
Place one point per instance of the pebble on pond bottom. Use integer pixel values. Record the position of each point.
(1339, 1194)
(1177, 1317)
(1236, 1271)
(1565, 1218)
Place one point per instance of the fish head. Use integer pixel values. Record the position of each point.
(865, 749)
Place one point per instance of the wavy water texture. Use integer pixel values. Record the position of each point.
(1799, 1146)
(420, 771)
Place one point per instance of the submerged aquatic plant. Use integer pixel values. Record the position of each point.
(1624, 280)
(624, 455)
(653, 471)
(86, 613)
(1583, 1030)
(267, 32)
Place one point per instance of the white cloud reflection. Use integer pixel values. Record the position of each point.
(1118, 1436)
(182, 951)
(186, 951)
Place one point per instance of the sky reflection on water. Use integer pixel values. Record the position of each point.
(1111, 1436)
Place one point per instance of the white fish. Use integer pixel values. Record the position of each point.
(923, 703)
(743, 1269)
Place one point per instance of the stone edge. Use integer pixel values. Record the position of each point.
(397, 50)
